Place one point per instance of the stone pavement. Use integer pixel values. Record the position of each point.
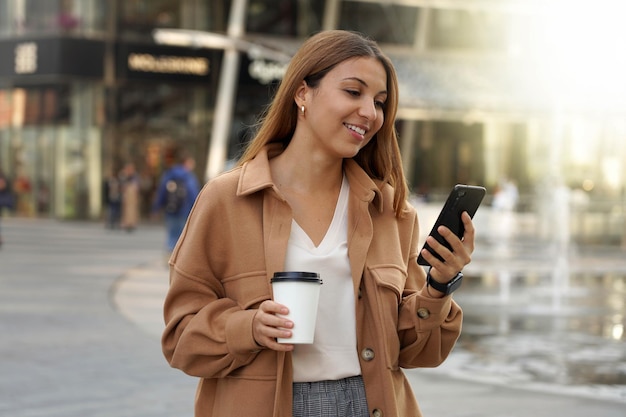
(65, 350)
(80, 319)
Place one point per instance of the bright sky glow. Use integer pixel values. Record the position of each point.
(582, 50)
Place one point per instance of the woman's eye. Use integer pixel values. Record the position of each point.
(354, 93)
(380, 103)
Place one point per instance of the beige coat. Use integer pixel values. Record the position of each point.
(236, 238)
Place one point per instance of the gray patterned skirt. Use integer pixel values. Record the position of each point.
(342, 398)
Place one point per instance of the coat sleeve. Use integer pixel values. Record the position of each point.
(207, 334)
(428, 328)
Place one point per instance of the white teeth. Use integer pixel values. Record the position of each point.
(356, 129)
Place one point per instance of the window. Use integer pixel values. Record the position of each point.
(284, 17)
(139, 17)
(92, 15)
(5, 18)
(38, 106)
(385, 23)
(53, 17)
(39, 16)
(469, 30)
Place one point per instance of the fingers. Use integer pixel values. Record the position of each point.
(446, 269)
(470, 231)
(454, 259)
(267, 325)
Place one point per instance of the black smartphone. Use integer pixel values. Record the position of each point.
(462, 198)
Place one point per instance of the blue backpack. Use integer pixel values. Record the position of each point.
(175, 195)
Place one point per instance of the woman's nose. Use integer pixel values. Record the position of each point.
(367, 109)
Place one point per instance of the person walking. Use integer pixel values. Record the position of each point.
(320, 188)
(130, 197)
(175, 195)
(7, 199)
(23, 193)
(112, 190)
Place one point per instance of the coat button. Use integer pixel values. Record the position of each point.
(377, 413)
(367, 354)
(423, 313)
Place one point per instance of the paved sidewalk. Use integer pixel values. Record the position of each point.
(65, 350)
(80, 315)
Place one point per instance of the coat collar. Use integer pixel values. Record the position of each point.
(362, 185)
(256, 176)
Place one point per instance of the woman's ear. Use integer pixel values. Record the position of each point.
(300, 97)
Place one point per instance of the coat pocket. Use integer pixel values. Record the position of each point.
(389, 281)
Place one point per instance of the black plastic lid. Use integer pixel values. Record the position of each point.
(301, 276)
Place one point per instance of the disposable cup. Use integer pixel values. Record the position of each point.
(300, 293)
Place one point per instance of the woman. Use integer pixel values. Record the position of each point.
(130, 198)
(319, 188)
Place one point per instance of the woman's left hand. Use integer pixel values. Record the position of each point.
(455, 259)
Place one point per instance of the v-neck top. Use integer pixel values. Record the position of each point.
(337, 225)
(333, 354)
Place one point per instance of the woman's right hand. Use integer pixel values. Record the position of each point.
(267, 326)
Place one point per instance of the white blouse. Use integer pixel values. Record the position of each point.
(333, 354)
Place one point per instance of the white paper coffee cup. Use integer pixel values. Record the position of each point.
(300, 293)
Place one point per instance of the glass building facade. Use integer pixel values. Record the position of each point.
(85, 88)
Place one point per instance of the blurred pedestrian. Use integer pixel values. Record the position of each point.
(23, 189)
(506, 196)
(7, 199)
(176, 194)
(503, 225)
(112, 191)
(130, 198)
(320, 188)
(43, 197)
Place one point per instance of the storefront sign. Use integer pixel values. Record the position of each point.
(26, 58)
(167, 64)
(164, 63)
(52, 56)
(260, 72)
(266, 72)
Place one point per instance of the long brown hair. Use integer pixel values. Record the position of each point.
(380, 158)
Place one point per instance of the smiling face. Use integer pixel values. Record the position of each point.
(346, 109)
